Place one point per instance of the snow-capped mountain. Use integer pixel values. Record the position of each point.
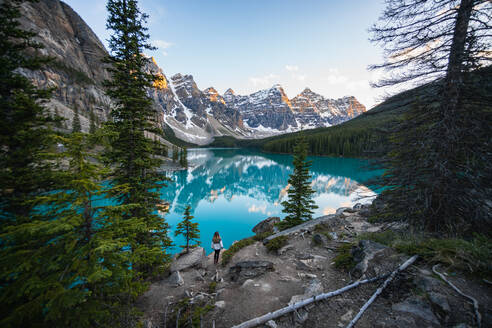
(194, 115)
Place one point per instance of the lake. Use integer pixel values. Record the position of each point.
(231, 190)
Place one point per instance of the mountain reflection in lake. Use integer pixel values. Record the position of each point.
(231, 190)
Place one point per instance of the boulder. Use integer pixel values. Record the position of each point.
(440, 304)
(271, 324)
(267, 225)
(175, 279)
(285, 249)
(372, 259)
(418, 307)
(194, 259)
(249, 269)
(319, 239)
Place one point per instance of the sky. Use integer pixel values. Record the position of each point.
(248, 45)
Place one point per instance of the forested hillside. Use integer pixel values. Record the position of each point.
(363, 136)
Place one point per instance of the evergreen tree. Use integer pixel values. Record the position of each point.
(189, 230)
(57, 119)
(299, 206)
(69, 252)
(438, 162)
(76, 121)
(92, 122)
(175, 153)
(25, 173)
(135, 178)
(183, 157)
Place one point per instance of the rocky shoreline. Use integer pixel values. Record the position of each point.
(257, 280)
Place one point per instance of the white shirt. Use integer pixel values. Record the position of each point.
(217, 246)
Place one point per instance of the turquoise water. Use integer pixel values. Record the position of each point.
(231, 190)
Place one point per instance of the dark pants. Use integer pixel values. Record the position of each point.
(216, 256)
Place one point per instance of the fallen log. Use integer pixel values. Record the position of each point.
(380, 289)
(293, 307)
(474, 301)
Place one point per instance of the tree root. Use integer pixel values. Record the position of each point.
(474, 301)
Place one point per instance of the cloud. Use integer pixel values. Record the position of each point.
(357, 85)
(292, 68)
(334, 77)
(162, 45)
(253, 209)
(262, 81)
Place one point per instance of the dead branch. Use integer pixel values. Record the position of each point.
(380, 289)
(474, 301)
(293, 307)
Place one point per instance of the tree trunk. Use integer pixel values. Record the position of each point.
(454, 74)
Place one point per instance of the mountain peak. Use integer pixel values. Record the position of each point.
(229, 92)
(210, 91)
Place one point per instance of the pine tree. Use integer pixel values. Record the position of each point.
(299, 206)
(92, 122)
(25, 173)
(76, 121)
(438, 161)
(135, 178)
(84, 266)
(189, 230)
(175, 153)
(183, 157)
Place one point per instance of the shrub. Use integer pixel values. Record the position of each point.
(228, 254)
(262, 236)
(212, 287)
(472, 256)
(344, 259)
(276, 243)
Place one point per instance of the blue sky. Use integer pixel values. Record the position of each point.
(249, 45)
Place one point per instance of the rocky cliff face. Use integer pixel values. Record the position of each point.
(76, 72)
(194, 115)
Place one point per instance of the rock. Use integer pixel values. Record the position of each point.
(347, 316)
(197, 276)
(314, 288)
(319, 239)
(344, 209)
(369, 256)
(285, 249)
(267, 225)
(427, 283)
(271, 324)
(418, 307)
(304, 256)
(301, 315)
(365, 212)
(302, 265)
(194, 259)
(440, 304)
(247, 283)
(249, 269)
(175, 279)
(357, 206)
(306, 275)
(220, 304)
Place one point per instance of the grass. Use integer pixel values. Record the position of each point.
(277, 243)
(323, 230)
(473, 256)
(229, 253)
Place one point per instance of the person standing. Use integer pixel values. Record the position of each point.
(217, 246)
